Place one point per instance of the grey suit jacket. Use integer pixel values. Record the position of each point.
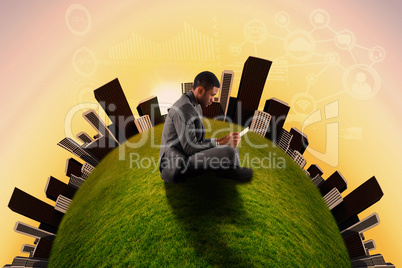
(183, 135)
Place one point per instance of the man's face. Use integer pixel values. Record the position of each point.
(208, 96)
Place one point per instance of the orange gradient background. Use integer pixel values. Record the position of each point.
(53, 56)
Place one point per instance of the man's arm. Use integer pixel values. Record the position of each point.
(183, 121)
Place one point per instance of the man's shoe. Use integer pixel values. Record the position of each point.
(235, 173)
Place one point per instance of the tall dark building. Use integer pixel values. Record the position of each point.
(225, 90)
(84, 137)
(231, 112)
(354, 245)
(28, 262)
(150, 106)
(363, 225)
(336, 180)
(112, 99)
(54, 188)
(31, 207)
(43, 248)
(357, 201)
(212, 110)
(254, 75)
(299, 140)
(76, 149)
(73, 167)
(97, 123)
(314, 170)
(29, 230)
(100, 147)
(278, 110)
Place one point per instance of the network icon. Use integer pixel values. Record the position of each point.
(303, 49)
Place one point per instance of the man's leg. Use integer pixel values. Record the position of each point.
(215, 158)
(224, 160)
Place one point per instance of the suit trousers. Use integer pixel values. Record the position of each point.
(175, 166)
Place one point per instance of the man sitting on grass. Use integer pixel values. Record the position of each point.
(184, 150)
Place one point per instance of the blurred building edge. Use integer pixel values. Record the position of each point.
(260, 122)
(143, 123)
(225, 91)
(252, 82)
(113, 101)
(150, 107)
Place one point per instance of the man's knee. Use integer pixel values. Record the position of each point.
(229, 153)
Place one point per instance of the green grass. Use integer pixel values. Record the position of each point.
(123, 217)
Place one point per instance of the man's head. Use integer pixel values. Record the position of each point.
(205, 87)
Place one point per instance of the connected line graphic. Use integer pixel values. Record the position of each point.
(359, 80)
(304, 52)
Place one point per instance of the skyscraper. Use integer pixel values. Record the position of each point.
(212, 111)
(86, 170)
(62, 203)
(254, 75)
(284, 140)
(317, 180)
(143, 123)
(27, 249)
(225, 90)
(75, 149)
(354, 245)
(299, 159)
(231, 111)
(100, 147)
(112, 99)
(333, 198)
(299, 140)
(357, 201)
(278, 110)
(73, 167)
(26, 229)
(336, 180)
(31, 207)
(150, 106)
(96, 122)
(363, 225)
(43, 248)
(260, 122)
(54, 188)
(376, 260)
(314, 170)
(186, 87)
(28, 262)
(75, 181)
(84, 137)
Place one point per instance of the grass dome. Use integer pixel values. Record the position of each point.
(126, 216)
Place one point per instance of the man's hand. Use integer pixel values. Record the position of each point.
(231, 139)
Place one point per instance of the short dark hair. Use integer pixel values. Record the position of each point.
(207, 80)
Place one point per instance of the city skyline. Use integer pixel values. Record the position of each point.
(345, 210)
(42, 84)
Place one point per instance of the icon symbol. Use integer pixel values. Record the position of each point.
(332, 58)
(345, 39)
(361, 81)
(319, 18)
(78, 19)
(282, 19)
(84, 62)
(300, 45)
(234, 49)
(303, 103)
(256, 31)
(377, 54)
(312, 78)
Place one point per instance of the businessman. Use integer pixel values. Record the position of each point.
(184, 150)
